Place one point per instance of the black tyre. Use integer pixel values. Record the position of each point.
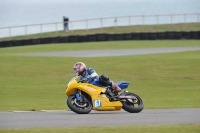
(135, 106)
(80, 108)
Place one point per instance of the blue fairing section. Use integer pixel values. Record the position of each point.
(122, 84)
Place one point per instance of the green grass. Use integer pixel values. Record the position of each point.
(119, 29)
(162, 80)
(128, 129)
(98, 45)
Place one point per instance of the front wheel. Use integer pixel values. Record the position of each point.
(83, 107)
(132, 105)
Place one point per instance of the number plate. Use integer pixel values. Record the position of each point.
(97, 103)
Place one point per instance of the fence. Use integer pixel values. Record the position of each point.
(99, 23)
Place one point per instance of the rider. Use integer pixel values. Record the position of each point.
(89, 74)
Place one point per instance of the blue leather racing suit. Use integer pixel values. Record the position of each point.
(89, 75)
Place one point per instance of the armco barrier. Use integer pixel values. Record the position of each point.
(194, 34)
(64, 39)
(144, 36)
(74, 38)
(55, 40)
(169, 35)
(152, 36)
(91, 38)
(45, 40)
(198, 34)
(119, 36)
(101, 37)
(161, 35)
(82, 38)
(128, 36)
(8, 44)
(136, 36)
(110, 37)
(186, 35)
(36, 41)
(2, 44)
(27, 42)
(18, 43)
(177, 35)
(172, 35)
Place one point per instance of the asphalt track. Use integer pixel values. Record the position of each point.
(98, 118)
(116, 52)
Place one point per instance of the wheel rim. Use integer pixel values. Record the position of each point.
(135, 103)
(83, 106)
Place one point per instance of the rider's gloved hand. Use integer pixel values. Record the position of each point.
(84, 79)
(89, 77)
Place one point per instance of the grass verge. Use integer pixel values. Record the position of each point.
(162, 80)
(195, 128)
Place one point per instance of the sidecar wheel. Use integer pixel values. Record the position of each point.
(85, 108)
(133, 107)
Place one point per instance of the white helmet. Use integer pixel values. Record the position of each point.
(79, 68)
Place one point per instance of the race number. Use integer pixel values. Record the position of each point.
(97, 103)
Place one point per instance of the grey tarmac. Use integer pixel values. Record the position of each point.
(64, 118)
(113, 52)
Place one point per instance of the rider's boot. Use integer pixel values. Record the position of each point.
(116, 89)
(110, 94)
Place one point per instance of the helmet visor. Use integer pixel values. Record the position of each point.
(76, 70)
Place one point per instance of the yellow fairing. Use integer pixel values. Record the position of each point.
(99, 101)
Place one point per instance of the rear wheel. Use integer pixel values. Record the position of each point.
(78, 107)
(132, 105)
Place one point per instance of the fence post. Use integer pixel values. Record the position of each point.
(40, 28)
(10, 34)
(171, 18)
(56, 28)
(143, 19)
(86, 21)
(157, 16)
(115, 22)
(101, 21)
(129, 18)
(26, 30)
(185, 18)
(72, 26)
